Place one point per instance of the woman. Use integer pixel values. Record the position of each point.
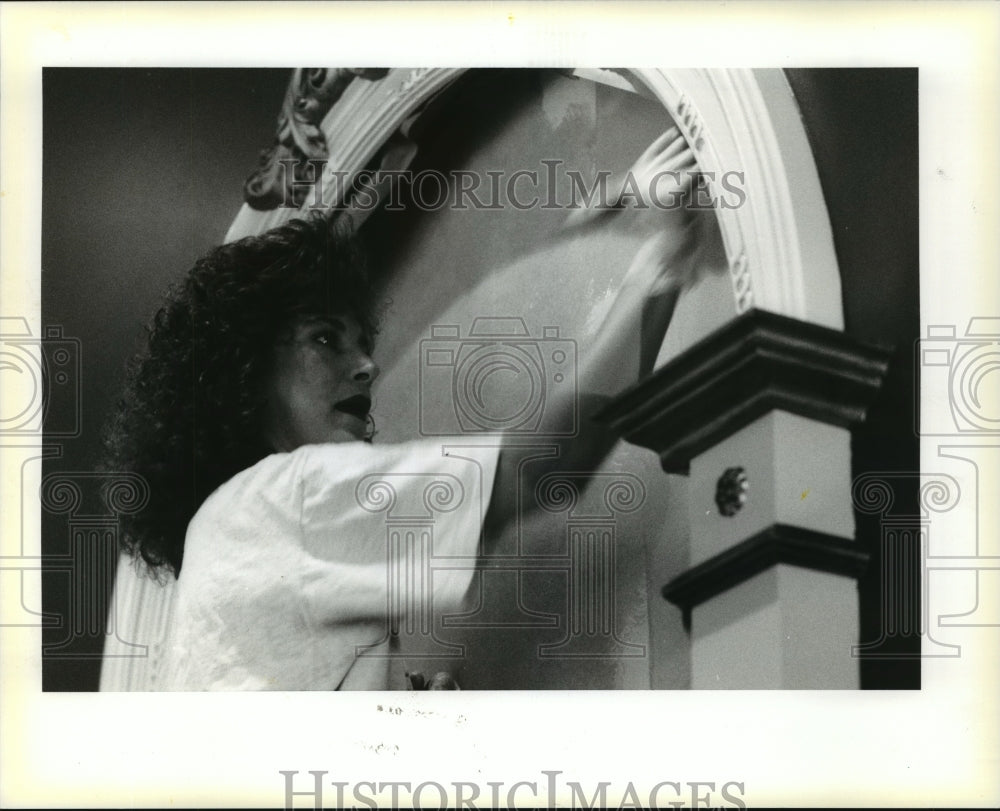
(246, 418)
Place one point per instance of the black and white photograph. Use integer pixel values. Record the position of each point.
(626, 402)
(476, 271)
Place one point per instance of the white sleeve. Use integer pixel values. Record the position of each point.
(393, 530)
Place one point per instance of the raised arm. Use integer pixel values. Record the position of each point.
(629, 339)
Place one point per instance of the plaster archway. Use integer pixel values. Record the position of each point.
(778, 242)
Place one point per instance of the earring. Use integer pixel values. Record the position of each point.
(371, 429)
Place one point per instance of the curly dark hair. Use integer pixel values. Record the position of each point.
(191, 414)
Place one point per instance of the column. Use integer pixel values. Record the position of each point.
(758, 415)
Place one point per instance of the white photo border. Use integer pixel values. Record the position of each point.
(936, 746)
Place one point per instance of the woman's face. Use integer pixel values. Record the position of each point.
(319, 389)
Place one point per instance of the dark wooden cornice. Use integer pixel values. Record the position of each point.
(757, 362)
(779, 543)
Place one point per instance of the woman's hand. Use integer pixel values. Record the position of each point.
(654, 186)
(652, 200)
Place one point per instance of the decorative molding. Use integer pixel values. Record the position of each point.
(412, 80)
(778, 243)
(757, 362)
(300, 143)
(731, 491)
(739, 273)
(779, 543)
(365, 119)
(686, 114)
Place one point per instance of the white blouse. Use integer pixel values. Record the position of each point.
(295, 569)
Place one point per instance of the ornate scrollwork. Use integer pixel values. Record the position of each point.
(692, 124)
(300, 142)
